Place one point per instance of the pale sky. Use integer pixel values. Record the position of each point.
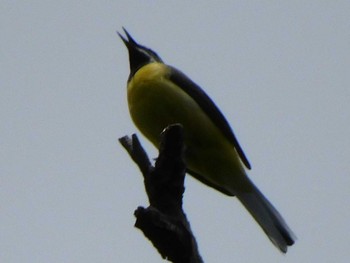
(278, 71)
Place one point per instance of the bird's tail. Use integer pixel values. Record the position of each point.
(268, 218)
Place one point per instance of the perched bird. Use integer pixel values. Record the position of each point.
(160, 95)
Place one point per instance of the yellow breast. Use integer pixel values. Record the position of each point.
(155, 102)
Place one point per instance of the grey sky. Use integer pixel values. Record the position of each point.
(279, 72)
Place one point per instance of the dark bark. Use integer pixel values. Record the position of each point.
(164, 222)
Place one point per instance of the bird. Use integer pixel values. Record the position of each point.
(160, 95)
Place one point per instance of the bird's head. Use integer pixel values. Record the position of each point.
(138, 55)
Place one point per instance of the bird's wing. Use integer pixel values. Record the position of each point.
(209, 107)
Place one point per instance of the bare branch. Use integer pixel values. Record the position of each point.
(164, 222)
